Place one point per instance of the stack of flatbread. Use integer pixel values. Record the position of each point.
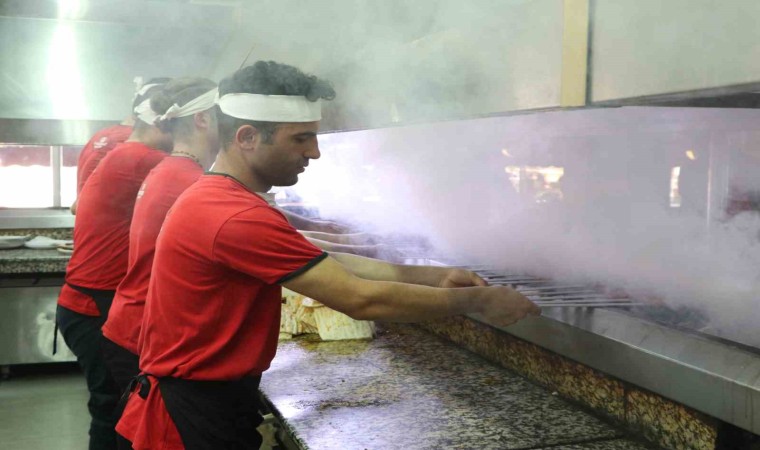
(301, 315)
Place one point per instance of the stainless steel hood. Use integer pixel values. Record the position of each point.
(77, 60)
(393, 61)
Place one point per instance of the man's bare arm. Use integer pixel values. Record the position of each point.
(304, 223)
(373, 269)
(330, 283)
(346, 239)
(370, 251)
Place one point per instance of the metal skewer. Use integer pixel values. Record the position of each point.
(567, 288)
(560, 298)
(585, 304)
(515, 280)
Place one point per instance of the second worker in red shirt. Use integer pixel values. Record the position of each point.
(188, 113)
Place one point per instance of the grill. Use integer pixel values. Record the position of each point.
(548, 294)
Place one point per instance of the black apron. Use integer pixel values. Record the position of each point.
(211, 415)
(103, 300)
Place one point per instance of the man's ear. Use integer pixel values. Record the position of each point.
(202, 120)
(246, 136)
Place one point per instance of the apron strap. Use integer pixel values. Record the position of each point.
(55, 337)
(145, 386)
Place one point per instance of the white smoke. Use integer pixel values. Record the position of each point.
(615, 225)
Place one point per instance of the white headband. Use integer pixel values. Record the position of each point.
(196, 105)
(271, 108)
(145, 113)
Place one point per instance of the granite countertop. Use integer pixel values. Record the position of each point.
(26, 260)
(409, 389)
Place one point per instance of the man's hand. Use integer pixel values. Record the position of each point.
(457, 278)
(502, 306)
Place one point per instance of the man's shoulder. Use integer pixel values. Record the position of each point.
(134, 153)
(211, 200)
(110, 136)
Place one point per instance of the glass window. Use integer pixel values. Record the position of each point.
(69, 158)
(26, 176)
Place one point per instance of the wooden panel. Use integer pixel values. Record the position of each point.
(574, 52)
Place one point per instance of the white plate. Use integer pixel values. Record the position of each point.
(43, 242)
(12, 241)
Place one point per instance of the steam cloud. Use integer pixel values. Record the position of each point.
(615, 225)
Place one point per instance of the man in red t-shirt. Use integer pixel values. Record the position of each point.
(211, 319)
(195, 135)
(99, 261)
(106, 140)
(101, 143)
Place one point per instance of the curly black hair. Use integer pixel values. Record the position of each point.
(268, 78)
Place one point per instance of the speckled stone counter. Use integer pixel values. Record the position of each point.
(25, 260)
(53, 233)
(408, 389)
(669, 424)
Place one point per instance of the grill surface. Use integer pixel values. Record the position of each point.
(552, 294)
(549, 294)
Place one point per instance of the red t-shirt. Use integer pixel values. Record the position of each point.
(158, 193)
(101, 226)
(96, 148)
(213, 308)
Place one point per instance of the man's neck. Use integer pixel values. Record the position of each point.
(146, 138)
(237, 169)
(190, 150)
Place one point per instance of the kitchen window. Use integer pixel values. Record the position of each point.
(69, 158)
(37, 176)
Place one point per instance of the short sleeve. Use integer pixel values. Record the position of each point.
(261, 243)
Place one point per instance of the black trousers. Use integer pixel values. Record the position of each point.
(123, 364)
(83, 336)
